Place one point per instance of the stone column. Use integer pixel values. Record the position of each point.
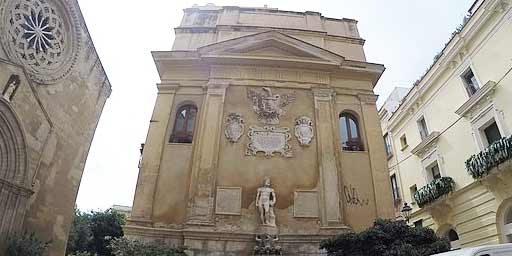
(378, 159)
(330, 203)
(152, 154)
(205, 157)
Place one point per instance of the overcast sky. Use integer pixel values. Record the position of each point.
(404, 35)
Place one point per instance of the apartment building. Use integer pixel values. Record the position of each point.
(448, 139)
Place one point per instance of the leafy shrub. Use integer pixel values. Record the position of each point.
(386, 238)
(82, 254)
(126, 247)
(25, 245)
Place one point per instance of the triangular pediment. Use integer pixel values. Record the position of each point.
(272, 51)
(270, 45)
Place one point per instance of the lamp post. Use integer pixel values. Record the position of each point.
(406, 212)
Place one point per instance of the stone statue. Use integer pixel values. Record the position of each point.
(11, 87)
(265, 201)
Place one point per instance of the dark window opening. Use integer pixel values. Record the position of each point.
(418, 224)
(470, 82)
(394, 187)
(183, 131)
(349, 131)
(422, 125)
(434, 171)
(387, 144)
(492, 133)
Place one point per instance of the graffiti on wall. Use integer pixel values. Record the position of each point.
(353, 198)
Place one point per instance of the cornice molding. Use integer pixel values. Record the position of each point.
(324, 93)
(370, 99)
(426, 145)
(481, 98)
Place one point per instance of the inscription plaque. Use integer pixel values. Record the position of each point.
(269, 140)
(306, 204)
(229, 201)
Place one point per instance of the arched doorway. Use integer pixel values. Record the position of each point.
(504, 220)
(453, 238)
(13, 171)
(449, 233)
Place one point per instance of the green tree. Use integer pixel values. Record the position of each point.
(80, 235)
(104, 227)
(387, 238)
(91, 232)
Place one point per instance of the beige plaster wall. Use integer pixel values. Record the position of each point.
(235, 169)
(171, 192)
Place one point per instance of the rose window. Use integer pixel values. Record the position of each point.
(39, 34)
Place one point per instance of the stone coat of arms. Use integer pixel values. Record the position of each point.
(304, 130)
(269, 107)
(234, 127)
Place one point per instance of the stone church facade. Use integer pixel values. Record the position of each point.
(264, 133)
(53, 91)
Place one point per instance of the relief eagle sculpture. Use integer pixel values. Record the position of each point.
(269, 107)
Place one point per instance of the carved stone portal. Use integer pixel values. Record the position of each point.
(269, 140)
(269, 107)
(304, 130)
(234, 127)
(265, 201)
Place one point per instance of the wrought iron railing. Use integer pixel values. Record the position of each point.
(434, 190)
(479, 165)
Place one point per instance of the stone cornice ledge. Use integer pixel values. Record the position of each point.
(486, 91)
(425, 145)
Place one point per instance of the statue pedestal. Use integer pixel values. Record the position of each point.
(264, 229)
(266, 237)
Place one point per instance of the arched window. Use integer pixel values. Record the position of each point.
(349, 132)
(452, 235)
(183, 131)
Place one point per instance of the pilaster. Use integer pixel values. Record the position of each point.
(205, 156)
(330, 203)
(152, 154)
(378, 160)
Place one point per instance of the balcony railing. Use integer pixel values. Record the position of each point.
(434, 190)
(479, 165)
